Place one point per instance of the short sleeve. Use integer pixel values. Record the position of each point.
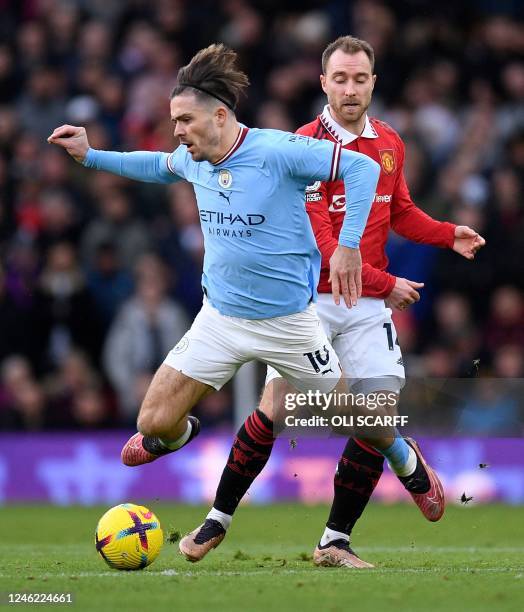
(177, 161)
(309, 159)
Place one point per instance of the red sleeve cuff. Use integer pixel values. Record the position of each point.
(389, 286)
(448, 234)
(376, 283)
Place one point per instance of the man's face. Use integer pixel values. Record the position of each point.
(348, 84)
(196, 124)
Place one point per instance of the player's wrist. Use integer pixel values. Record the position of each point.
(390, 286)
(348, 243)
(89, 158)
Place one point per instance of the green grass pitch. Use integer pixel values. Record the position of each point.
(472, 560)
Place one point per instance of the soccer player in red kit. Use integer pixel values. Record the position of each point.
(363, 337)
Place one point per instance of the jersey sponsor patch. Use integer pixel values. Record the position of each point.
(387, 159)
(299, 138)
(337, 204)
(313, 197)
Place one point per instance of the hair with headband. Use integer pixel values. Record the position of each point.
(213, 72)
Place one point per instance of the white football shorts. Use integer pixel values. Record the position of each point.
(295, 346)
(365, 340)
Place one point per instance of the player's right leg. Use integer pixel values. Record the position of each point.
(163, 424)
(203, 360)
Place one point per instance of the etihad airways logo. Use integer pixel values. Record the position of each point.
(220, 218)
(338, 203)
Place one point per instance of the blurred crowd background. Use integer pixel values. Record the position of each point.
(99, 277)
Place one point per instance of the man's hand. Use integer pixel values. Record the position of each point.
(404, 294)
(73, 139)
(467, 241)
(345, 275)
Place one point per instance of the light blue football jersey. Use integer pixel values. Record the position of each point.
(261, 258)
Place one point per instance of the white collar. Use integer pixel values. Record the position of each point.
(340, 133)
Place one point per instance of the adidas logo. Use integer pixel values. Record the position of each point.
(400, 361)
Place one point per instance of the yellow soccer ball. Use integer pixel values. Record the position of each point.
(129, 537)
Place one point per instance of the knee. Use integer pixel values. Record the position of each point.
(273, 400)
(143, 424)
(151, 424)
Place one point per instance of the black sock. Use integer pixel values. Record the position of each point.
(249, 454)
(153, 445)
(357, 475)
(418, 482)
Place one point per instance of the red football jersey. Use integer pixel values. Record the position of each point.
(392, 206)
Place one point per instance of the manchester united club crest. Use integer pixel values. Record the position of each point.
(225, 179)
(387, 159)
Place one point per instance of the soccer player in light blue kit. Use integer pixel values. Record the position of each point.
(261, 263)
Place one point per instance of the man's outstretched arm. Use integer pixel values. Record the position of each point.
(139, 165)
(412, 223)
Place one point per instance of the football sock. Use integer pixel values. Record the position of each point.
(249, 454)
(418, 481)
(223, 518)
(358, 472)
(179, 442)
(401, 457)
(330, 534)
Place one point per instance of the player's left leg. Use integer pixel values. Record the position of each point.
(249, 454)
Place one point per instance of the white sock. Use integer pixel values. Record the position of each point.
(409, 467)
(223, 518)
(174, 444)
(330, 534)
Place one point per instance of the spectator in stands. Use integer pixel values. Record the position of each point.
(505, 324)
(22, 399)
(147, 327)
(108, 282)
(77, 394)
(66, 316)
(16, 322)
(116, 224)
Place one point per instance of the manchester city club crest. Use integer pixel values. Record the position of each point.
(182, 345)
(225, 179)
(387, 159)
